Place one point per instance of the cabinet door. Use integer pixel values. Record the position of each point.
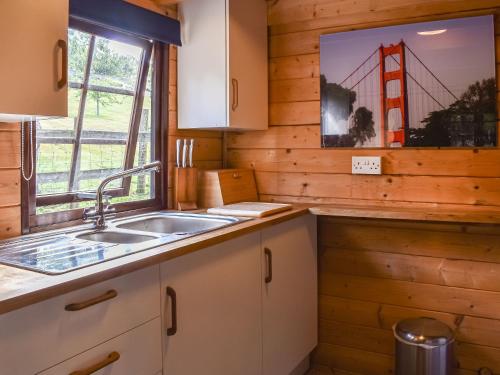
(202, 65)
(248, 78)
(218, 309)
(33, 36)
(289, 294)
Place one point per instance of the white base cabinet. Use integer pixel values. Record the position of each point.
(246, 306)
(290, 294)
(39, 336)
(217, 293)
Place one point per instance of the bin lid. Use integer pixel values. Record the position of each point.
(423, 331)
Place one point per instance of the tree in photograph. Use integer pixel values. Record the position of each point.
(362, 128)
(475, 113)
(337, 104)
(470, 121)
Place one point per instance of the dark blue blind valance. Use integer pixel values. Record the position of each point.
(122, 16)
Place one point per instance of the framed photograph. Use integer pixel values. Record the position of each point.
(426, 84)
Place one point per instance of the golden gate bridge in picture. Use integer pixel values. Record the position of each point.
(383, 82)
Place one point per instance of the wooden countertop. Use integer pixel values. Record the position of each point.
(20, 288)
(441, 213)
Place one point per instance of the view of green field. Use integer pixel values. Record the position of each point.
(114, 65)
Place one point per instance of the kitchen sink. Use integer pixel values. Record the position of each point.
(174, 224)
(62, 251)
(115, 237)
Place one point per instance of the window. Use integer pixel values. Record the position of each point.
(114, 98)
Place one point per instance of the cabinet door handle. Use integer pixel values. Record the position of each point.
(63, 45)
(236, 94)
(111, 358)
(269, 256)
(173, 296)
(110, 294)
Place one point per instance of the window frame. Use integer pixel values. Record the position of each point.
(159, 52)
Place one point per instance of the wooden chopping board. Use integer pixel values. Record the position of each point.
(250, 209)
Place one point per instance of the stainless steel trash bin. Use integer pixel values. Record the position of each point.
(424, 346)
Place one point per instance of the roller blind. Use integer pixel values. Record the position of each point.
(125, 17)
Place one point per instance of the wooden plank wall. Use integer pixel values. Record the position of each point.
(288, 161)
(10, 187)
(208, 144)
(374, 273)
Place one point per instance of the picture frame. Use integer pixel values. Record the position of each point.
(429, 84)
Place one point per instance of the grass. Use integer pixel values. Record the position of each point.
(114, 115)
(134, 196)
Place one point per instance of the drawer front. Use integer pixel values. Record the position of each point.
(137, 352)
(46, 333)
(238, 185)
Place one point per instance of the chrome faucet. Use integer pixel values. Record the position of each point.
(100, 212)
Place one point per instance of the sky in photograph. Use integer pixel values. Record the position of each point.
(462, 55)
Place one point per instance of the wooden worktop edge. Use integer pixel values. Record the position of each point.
(471, 215)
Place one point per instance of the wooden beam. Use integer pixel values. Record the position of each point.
(166, 2)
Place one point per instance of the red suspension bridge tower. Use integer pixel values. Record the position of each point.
(386, 78)
(396, 136)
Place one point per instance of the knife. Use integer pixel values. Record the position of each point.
(184, 154)
(191, 149)
(179, 153)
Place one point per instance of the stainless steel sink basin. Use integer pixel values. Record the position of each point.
(62, 251)
(115, 237)
(173, 224)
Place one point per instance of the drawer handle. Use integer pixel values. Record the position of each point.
(110, 294)
(269, 256)
(173, 296)
(236, 175)
(111, 358)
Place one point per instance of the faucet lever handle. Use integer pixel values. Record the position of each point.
(89, 214)
(109, 212)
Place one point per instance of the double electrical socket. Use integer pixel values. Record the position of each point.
(366, 165)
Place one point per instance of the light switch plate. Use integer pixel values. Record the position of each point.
(366, 165)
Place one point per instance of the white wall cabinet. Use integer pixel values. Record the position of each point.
(33, 66)
(222, 65)
(215, 310)
(290, 291)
